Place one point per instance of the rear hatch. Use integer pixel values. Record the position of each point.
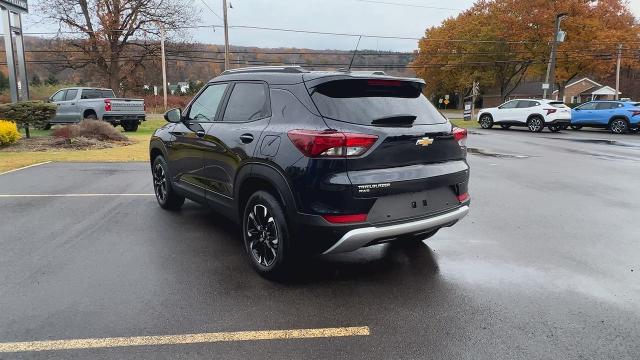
(127, 106)
(416, 167)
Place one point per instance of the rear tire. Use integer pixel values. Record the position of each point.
(505, 126)
(91, 116)
(266, 234)
(619, 126)
(535, 124)
(167, 197)
(576, 127)
(130, 126)
(554, 128)
(486, 121)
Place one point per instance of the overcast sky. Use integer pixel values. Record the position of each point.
(340, 16)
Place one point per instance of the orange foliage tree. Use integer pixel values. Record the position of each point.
(502, 42)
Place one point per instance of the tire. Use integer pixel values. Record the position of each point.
(266, 234)
(130, 126)
(166, 196)
(576, 127)
(563, 126)
(486, 121)
(535, 124)
(619, 126)
(554, 128)
(91, 116)
(505, 126)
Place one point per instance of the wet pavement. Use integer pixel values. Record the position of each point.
(546, 266)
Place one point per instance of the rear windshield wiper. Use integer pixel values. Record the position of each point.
(395, 121)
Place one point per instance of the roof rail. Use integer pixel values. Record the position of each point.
(278, 69)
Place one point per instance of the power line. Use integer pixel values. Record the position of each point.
(210, 9)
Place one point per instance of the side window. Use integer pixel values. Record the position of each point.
(587, 106)
(88, 94)
(509, 105)
(205, 106)
(71, 94)
(525, 104)
(605, 106)
(59, 96)
(248, 101)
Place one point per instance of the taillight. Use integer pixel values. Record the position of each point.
(107, 104)
(551, 111)
(463, 197)
(331, 143)
(345, 219)
(635, 112)
(460, 135)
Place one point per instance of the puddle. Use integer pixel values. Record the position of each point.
(600, 141)
(486, 153)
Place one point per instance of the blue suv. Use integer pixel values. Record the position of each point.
(617, 116)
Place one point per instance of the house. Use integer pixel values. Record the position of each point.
(526, 90)
(584, 90)
(577, 91)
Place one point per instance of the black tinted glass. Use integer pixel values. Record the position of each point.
(205, 106)
(96, 94)
(248, 101)
(375, 102)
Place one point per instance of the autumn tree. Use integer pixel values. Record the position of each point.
(502, 42)
(114, 36)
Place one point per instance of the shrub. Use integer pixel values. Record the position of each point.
(28, 113)
(90, 129)
(8, 132)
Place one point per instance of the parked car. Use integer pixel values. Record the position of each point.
(313, 162)
(536, 114)
(77, 103)
(617, 116)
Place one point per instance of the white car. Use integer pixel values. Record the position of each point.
(532, 113)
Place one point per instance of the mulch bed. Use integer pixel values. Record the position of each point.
(51, 143)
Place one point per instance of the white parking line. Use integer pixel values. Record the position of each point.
(25, 167)
(69, 195)
(183, 339)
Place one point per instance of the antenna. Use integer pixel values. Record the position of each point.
(354, 53)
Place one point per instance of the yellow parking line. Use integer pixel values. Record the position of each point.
(182, 339)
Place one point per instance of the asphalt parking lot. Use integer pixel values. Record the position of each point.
(546, 266)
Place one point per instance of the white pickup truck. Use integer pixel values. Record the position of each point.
(77, 103)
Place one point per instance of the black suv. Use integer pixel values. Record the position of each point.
(314, 162)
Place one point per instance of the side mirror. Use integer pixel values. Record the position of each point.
(174, 115)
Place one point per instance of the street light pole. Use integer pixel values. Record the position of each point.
(551, 67)
(618, 71)
(226, 35)
(164, 67)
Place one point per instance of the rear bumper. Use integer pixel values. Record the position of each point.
(357, 238)
(124, 117)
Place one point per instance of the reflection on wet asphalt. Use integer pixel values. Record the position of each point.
(545, 266)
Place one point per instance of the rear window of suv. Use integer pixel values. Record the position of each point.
(375, 102)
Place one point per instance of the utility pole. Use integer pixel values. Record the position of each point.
(164, 67)
(551, 67)
(618, 71)
(226, 35)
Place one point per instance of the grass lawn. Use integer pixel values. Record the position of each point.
(465, 124)
(135, 152)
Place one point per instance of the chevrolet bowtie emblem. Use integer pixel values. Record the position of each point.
(425, 141)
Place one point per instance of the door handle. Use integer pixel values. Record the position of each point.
(246, 138)
(73, 103)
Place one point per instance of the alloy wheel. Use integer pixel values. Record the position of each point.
(485, 122)
(160, 183)
(262, 235)
(618, 126)
(535, 124)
